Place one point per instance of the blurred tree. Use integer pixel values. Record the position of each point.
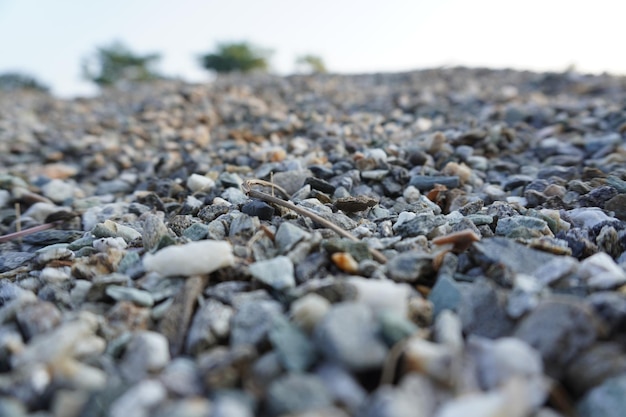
(238, 56)
(115, 62)
(13, 81)
(312, 64)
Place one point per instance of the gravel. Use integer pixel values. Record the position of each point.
(483, 253)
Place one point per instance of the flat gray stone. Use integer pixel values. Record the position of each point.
(137, 296)
(515, 256)
(410, 266)
(252, 322)
(277, 272)
(349, 335)
(427, 182)
(295, 351)
(560, 329)
(295, 393)
(606, 400)
(288, 235)
(445, 295)
(483, 311)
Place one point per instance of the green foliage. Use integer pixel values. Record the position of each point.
(115, 62)
(239, 56)
(13, 81)
(312, 64)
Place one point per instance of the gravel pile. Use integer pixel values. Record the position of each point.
(447, 243)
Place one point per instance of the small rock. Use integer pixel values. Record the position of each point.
(439, 362)
(277, 272)
(601, 272)
(58, 190)
(112, 229)
(288, 235)
(593, 366)
(382, 295)
(193, 258)
(348, 335)
(258, 208)
(210, 324)
(506, 358)
(181, 377)
(606, 400)
(445, 295)
(426, 182)
(12, 260)
(559, 329)
(295, 393)
(200, 183)
(37, 318)
(139, 297)
(411, 267)
(196, 231)
(252, 322)
(294, 349)
(307, 311)
(345, 262)
(146, 352)
(483, 311)
(139, 400)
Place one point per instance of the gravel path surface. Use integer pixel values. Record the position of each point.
(446, 243)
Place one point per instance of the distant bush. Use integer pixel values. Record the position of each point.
(115, 63)
(13, 81)
(239, 56)
(312, 64)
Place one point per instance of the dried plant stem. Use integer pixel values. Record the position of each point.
(304, 212)
(391, 362)
(26, 232)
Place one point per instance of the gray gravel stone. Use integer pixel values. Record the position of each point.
(294, 349)
(12, 260)
(288, 235)
(139, 297)
(348, 335)
(252, 322)
(560, 330)
(410, 267)
(278, 272)
(606, 400)
(295, 393)
(146, 352)
(210, 324)
(483, 311)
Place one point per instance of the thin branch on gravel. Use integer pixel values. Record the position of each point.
(26, 232)
(246, 186)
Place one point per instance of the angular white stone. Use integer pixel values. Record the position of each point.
(602, 272)
(202, 257)
(382, 295)
(197, 182)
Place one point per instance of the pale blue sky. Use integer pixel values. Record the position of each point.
(48, 38)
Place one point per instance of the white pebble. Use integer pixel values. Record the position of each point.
(411, 194)
(202, 257)
(138, 400)
(197, 182)
(5, 197)
(602, 272)
(309, 310)
(476, 405)
(403, 217)
(382, 295)
(55, 275)
(106, 243)
(58, 190)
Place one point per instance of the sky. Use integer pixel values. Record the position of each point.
(49, 39)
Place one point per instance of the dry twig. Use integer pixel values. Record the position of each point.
(246, 186)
